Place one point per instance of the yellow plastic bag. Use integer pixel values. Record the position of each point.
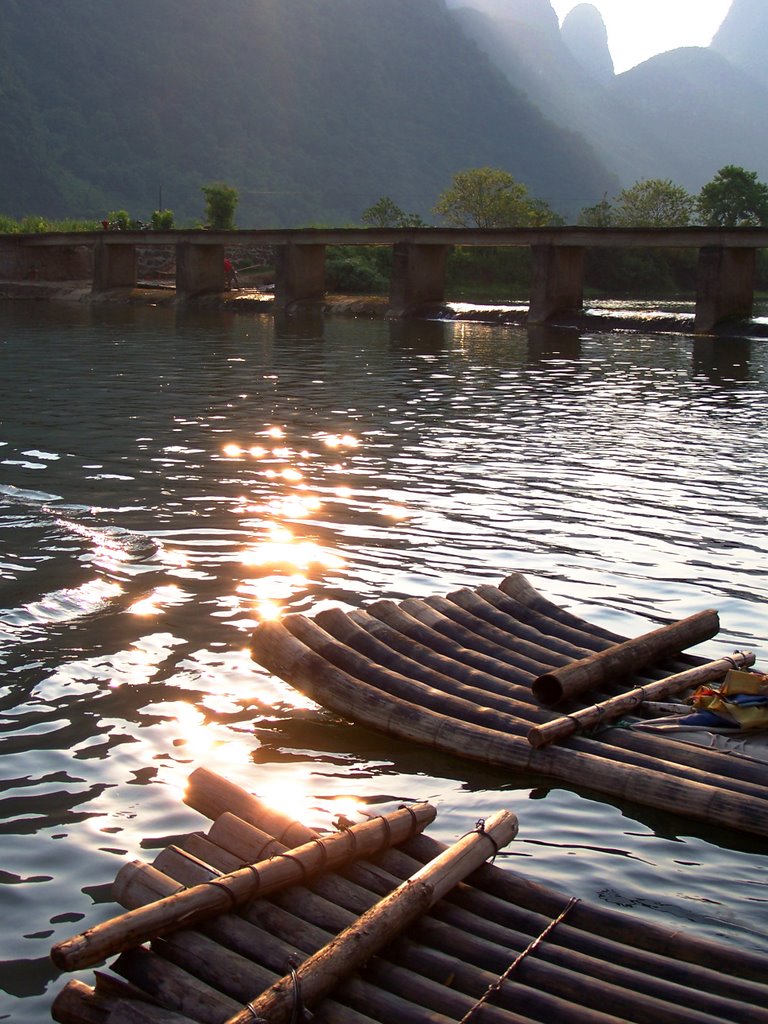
(723, 700)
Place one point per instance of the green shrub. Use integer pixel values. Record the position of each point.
(33, 225)
(220, 204)
(119, 219)
(477, 273)
(162, 220)
(358, 270)
(8, 226)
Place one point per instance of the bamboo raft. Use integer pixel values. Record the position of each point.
(243, 929)
(474, 674)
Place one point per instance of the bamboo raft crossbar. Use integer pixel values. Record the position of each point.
(460, 673)
(348, 947)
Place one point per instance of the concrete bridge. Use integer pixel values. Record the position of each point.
(725, 280)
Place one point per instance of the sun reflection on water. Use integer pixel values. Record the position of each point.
(279, 558)
(292, 796)
(159, 600)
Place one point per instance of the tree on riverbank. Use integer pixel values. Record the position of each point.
(654, 203)
(734, 198)
(385, 213)
(220, 205)
(488, 197)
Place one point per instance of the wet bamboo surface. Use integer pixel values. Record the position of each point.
(456, 673)
(598, 966)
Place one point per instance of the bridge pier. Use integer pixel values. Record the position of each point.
(199, 269)
(299, 274)
(725, 286)
(557, 282)
(114, 266)
(418, 276)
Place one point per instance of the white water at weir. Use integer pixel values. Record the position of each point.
(166, 480)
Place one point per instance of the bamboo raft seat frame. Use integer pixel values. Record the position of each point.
(567, 961)
(459, 674)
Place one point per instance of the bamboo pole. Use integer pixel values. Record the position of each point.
(185, 908)
(474, 685)
(601, 767)
(467, 704)
(624, 659)
(540, 636)
(601, 977)
(515, 592)
(319, 974)
(276, 930)
(415, 631)
(496, 678)
(212, 795)
(174, 988)
(540, 735)
(76, 1004)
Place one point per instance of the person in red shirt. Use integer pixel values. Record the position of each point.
(230, 273)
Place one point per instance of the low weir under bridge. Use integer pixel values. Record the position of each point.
(724, 288)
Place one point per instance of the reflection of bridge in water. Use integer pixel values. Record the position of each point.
(724, 291)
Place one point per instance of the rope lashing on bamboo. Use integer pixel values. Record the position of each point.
(479, 829)
(497, 985)
(614, 707)
(218, 875)
(299, 1013)
(348, 951)
(214, 897)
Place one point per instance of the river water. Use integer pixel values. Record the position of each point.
(167, 479)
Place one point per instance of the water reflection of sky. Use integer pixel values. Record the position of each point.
(167, 482)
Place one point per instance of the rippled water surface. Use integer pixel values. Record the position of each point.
(168, 479)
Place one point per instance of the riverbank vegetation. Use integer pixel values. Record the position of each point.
(490, 197)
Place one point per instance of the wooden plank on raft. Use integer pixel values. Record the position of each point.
(606, 710)
(183, 909)
(320, 973)
(624, 659)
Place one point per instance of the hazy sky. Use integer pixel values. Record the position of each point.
(637, 29)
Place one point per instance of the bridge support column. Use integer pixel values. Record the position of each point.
(299, 274)
(199, 270)
(557, 282)
(725, 286)
(114, 266)
(418, 276)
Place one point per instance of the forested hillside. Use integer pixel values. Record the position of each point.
(312, 110)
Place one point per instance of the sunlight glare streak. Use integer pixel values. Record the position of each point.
(340, 441)
(268, 611)
(301, 556)
(395, 511)
(289, 796)
(159, 600)
(348, 807)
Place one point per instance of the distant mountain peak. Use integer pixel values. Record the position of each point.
(743, 37)
(537, 13)
(584, 33)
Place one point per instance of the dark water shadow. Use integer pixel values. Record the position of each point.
(424, 337)
(546, 342)
(724, 361)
